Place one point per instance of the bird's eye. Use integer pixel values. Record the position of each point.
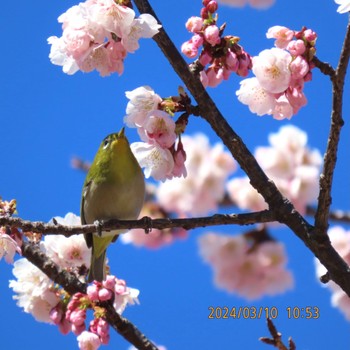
(105, 143)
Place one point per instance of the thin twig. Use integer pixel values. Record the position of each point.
(330, 158)
(276, 339)
(72, 285)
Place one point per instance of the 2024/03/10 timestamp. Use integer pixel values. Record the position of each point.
(272, 312)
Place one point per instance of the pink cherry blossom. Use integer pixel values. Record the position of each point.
(259, 100)
(250, 273)
(283, 36)
(204, 186)
(344, 6)
(215, 76)
(271, 68)
(88, 341)
(8, 247)
(143, 100)
(159, 128)
(157, 161)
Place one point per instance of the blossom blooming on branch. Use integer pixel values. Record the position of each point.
(289, 162)
(219, 55)
(49, 303)
(280, 74)
(159, 154)
(340, 239)
(259, 4)
(344, 6)
(8, 246)
(98, 34)
(250, 272)
(207, 170)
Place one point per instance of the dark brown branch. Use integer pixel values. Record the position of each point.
(285, 211)
(330, 158)
(276, 339)
(325, 68)
(72, 285)
(145, 223)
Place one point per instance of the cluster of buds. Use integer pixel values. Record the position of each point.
(71, 312)
(220, 55)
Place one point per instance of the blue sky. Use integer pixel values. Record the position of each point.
(47, 117)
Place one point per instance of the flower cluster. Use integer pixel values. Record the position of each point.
(250, 272)
(72, 316)
(344, 6)
(156, 238)
(280, 74)
(340, 239)
(220, 54)
(157, 154)
(290, 164)
(207, 171)
(98, 34)
(49, 303)
(260, 4)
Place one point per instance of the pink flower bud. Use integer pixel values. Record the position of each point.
(205, 2)
(189, 49)
(104, 294)
(77, 317)
(232, 61)
(310, 35)
(56, 315)
(64, 327)
(92, 292)
(215, 76)
(296, 47)
(204, 13)
(194, 24)
(77, 330)
(197, 40)
(212, 6)
(212, 35)
(109, 282)
(205, 58)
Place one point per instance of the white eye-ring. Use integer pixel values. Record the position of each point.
(105, 144)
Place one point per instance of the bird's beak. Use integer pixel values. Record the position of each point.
(121, 133)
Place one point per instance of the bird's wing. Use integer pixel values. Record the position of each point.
(88, 236)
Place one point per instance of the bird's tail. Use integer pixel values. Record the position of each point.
(97, 267)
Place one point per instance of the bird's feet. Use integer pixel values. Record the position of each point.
(99, 224)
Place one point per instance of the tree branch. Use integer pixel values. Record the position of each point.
(330, 158)
(145, 223)
(72, 285)
(285, 212)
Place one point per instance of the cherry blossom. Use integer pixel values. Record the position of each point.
(8, 247)
(204, 186)
(290, 163)
(98, 35)
(344, 6)
(250, 273)
(271, 68)
(157, 161)
(283, 36)
(143, 100)
(88, 341)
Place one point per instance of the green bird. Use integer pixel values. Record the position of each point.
(114, 188)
